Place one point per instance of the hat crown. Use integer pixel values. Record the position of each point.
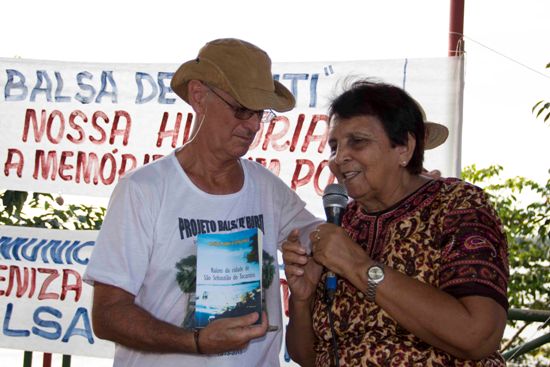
(243, 64)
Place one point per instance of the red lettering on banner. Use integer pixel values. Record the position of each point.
(84, 166)
(271, 137)
(311, 137)
(115, 131)
(24, 281)
(89, 167)
(76, 286)
(30, 117)
(2, 279)
(65, 167)
(163, 133)
(43, 163)
(110, 160)
(127, 158)
(49, 130)
(297, 131)
(103, 135)
(312, 172)
(174, 133)
(78, 128)
(10, 164)
(298, 181)
(54, 126)
(331, 178)
(53, 274)
(279, 127)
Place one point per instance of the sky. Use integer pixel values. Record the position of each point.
(506, 45)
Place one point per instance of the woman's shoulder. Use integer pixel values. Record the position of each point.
(459, 193)
(456, 186)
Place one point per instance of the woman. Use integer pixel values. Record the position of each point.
(421, 263)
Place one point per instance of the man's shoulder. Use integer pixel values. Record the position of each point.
(155, 170)
(257, 170)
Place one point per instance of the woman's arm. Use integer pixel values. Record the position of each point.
(469, 327)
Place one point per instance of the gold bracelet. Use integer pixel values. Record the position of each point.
(196, 334)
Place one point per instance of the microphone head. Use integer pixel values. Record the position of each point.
(335, 195)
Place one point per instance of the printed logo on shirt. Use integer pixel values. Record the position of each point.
(192, 227)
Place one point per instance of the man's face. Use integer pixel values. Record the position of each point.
(227, 133)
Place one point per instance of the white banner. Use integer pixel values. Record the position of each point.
(75, 128)
(44, 304)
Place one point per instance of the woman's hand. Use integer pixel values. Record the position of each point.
(302, 272)
(332, 248)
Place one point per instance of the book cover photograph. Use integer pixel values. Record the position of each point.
(229, 275)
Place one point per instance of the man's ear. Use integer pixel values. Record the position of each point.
(197, 93)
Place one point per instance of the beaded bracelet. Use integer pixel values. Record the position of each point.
(196, 334)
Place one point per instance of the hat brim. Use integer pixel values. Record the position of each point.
(436, 134)
(280, 99)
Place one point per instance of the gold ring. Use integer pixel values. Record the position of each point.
(317, 237)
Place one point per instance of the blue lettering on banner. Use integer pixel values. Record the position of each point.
(59, 88)
(81, 313)
(160, 87)
(66, 252)
(6, 324)
(46, 324)
(85, 87)
(140, 78)
(107, 76)
(41, 77)
(38, 320)
(15, 90)
(51, 90)
(295, 78)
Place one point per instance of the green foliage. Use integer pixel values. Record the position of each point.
(542, 108)
(45, 211)
(524, 207)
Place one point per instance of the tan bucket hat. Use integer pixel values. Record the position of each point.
(238, 68)
(436, 134)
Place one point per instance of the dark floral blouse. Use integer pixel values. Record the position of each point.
(445, 234)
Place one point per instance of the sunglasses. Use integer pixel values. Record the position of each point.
(243, 113)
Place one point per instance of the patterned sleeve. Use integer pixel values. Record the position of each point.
(475, 253)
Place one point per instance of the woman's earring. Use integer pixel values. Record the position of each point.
(404, 163)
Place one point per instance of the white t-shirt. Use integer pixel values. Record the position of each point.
(153, 218)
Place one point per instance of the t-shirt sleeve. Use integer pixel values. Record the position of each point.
(475, 253)
(122, 249)
(294, 215)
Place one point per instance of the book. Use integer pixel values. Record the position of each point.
(229, 275)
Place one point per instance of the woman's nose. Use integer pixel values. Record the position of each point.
(341, 155)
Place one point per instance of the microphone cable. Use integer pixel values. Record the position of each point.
(329, 297)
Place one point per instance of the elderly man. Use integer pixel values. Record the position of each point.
(144, 256)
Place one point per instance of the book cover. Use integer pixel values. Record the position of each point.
(229, 275)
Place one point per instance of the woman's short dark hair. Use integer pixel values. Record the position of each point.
(398, 112)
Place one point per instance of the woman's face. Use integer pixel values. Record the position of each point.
(363, 159)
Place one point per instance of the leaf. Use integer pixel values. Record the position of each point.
(536, 105)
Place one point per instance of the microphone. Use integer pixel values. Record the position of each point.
(335, 200)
